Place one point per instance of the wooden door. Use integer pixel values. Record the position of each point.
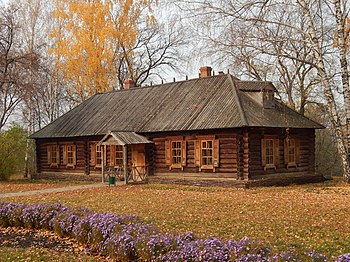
(138, 155)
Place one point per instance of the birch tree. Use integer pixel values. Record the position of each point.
(87, 35)
(313, 25)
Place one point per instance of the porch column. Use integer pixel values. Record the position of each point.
(125, 164)
(103, 163)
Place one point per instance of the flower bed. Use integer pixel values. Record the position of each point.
(127, 238)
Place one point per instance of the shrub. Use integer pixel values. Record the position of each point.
(12, 151)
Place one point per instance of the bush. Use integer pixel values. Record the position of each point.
(127, 238)
(12, 151)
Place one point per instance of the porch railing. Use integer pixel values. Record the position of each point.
(134, 173)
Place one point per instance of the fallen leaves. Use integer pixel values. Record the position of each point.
(311, 216)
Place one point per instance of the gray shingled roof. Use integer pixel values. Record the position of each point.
(126, 138)
(197, 104)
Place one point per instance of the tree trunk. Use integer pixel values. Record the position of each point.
(342, 47)
(322, 73)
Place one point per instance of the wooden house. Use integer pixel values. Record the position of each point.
(210, 130)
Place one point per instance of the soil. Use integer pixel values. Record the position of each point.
(42, 240)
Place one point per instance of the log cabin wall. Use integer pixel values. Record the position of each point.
(82, 155)
(240, 154)
(228, 153)
(306, 158)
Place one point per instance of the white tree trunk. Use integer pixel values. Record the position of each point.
(342, 47)
(322, 73)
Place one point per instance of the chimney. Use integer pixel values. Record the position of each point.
(205, 71)
(268, 98)
(129, 84)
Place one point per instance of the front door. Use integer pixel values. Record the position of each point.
(138, 170)
(138, 155)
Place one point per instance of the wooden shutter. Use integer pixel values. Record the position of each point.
(167, 152)
(197, 152)
(57, 154)
(286, 151)
(74, 155)
(276, 152)
(184, 151)
(112, 154)
(297, 151)
(216, 152)
(93, 154)
(49, 154)
(263, 152)
(65, 156)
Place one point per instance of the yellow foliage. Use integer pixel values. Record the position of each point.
(88, 36)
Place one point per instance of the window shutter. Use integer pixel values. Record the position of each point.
(65, 155)
(263, 152)
(286, 151)
(183, 144)
(112, 149)
(58, 154)
(167, 152)
(93, 154)
(216, 153)
(74, 155)
(49, 154)
(197, 152)
(276, 152)
(297, 151)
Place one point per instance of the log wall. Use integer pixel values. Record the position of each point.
(307, 152)
(239, 154)
(228, 154)
(82, 144)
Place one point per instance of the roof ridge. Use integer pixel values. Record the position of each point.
(158, 85)
(239, 104)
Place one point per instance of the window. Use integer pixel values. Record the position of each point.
(175, 152)
(98, 156)
(70, 155)
(53, 155)
(291, 152)
(119, 160)
(270, 152)
(207, 152)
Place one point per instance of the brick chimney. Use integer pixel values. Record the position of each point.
(268, 98)
(129, 84)
(205, 71)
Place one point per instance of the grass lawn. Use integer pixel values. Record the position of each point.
(314, 216)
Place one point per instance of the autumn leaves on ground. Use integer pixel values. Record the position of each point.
(307, 217)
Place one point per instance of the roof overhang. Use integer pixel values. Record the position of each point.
(123, 138)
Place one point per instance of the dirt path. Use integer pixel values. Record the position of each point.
(54, 190)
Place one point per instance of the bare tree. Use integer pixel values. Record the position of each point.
(157, 48)
(297, 39)
(14, 64)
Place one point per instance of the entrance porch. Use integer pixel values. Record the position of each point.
(127, 157)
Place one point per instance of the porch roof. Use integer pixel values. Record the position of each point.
(123, 138)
